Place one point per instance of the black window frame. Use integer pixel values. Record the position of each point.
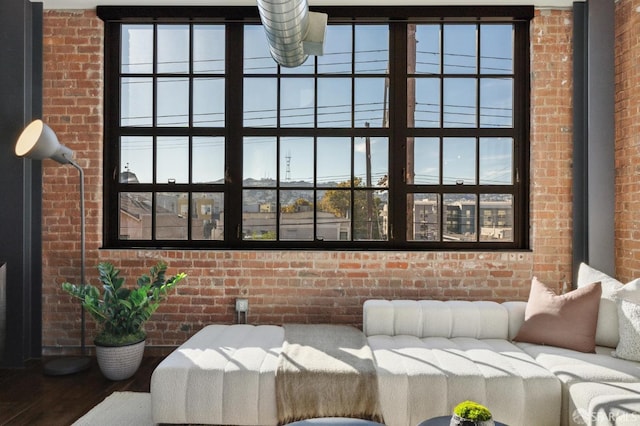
(396, 18)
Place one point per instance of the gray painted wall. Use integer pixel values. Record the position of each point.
(601, 136)
(594, 136)
(20, 180)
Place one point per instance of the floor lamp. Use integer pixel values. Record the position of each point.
(39, 142)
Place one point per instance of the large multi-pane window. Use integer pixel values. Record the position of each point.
(406, 133)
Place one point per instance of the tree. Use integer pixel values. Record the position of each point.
(297, 206)
(338, 201)
(365, 212)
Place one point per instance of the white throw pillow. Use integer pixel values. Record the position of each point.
(607, 328)
(629, 292)
(628, 302)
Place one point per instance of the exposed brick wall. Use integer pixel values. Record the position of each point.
(551, 143)
(290, 286)
(72, 106)
(627, 156)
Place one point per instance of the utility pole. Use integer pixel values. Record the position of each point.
(287, 175)
(367, 142)
(411, 109)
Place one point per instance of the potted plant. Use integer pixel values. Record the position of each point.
(470, 413)
(121, 313)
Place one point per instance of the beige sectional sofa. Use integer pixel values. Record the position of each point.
(429, 355)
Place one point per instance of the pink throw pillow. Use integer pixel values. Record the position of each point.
(566, 321)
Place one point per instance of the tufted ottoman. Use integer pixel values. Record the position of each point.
(224, 374)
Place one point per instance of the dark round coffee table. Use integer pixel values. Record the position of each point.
(444, 421)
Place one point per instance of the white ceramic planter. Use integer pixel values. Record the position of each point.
(120, 362)
(459, 421)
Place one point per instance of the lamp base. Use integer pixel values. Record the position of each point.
(65, 366)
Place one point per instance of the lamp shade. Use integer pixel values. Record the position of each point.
(38, 142)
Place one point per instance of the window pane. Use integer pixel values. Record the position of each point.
(334, 102)
(496, 217)
(372, 173)
(173, 102)
(296, 161)
(172, 211)
(372, 102)
(496, 49)
(297, 102)
(460, 217)
(259, 164)
(459, 102)
(333, 162)
(423, 102)
(424, 224)
(260, 102)
(425, 41)
(372, 49)
(259, 214)
(208, 48)
(208, 102)
(333, 211)
(460, 49)
(337, 50)
(173, 48)
(426, 160)
(496, 161)
(207, 216)
(172, 156)
(208, 160)
(136, 159)
(135, 216)
(496, 102)
(257, 59)
(459, 161)
(296, 215)
(368, 221)
(137, 49)
(136, 103)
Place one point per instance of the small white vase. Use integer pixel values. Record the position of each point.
(120, 362)
(459, 421)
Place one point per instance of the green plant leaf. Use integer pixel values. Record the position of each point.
(119, 310)
(471, 410)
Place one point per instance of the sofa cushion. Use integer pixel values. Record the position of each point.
(573, 367)
(515, 310)
(423, 378)
(433, 318)
(224, 374)
(604, 404)
(568, 320)
(607, 328)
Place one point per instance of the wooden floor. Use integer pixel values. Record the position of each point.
(27, 397)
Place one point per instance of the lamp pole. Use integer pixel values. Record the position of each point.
(83, 347)
(71, 365)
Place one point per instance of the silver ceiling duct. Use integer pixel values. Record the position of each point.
(292, 31)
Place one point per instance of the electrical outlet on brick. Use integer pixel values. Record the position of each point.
(242, 305)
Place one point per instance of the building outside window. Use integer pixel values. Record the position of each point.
(407, 133)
